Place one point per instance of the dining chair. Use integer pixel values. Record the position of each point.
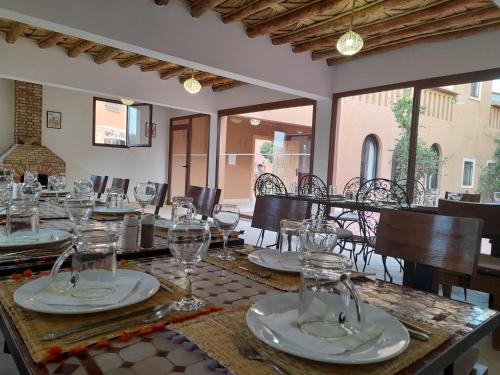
(419, 191)
(269, 184)
(99, 183)
(270, 210)
(466, 197)
(204, 199)
(120, 183)
(311, 185)
(161, 194)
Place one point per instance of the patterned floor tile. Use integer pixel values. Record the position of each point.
(138, 352)
(108, 361)
(153, 365)
(181, 357)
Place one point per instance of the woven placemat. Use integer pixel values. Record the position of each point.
(213, 335)
(33, 326)
(99, 217)
(38, 251)
(214, 232)
(287, 281)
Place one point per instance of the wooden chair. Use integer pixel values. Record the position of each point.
(120, 183)
(270, 210)
(204, 199)
(161, 194)
(466, 197)
(99, 183)
(429, 244)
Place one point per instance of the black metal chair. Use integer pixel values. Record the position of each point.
(269, 184)
(418, 191)
(312, 186)
(161, 193)
(99, 183)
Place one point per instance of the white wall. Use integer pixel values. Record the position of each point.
(73, 142)
(6, 114)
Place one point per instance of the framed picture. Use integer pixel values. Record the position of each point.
(54, 119)
(153, 130)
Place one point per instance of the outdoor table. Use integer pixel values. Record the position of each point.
(466, 323)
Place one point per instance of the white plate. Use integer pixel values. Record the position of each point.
(23, 296)
(272, 259)
(115, 210)
(45, 236)
(163, 223)
(393, 341)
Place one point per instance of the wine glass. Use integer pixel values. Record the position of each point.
(58, 184)
(84, 187)
(317, 236)
(188, 241)
(226, 218)
(144, 194)
(79, 208)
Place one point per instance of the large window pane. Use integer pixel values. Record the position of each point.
(110, 123)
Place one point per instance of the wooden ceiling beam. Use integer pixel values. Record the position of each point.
(203, 6)
(174, 72)
(107, 53)
(15, 32)
(291, 18)
(161, 2)
(51, 40)
(249, 9)
(462, 21)
(216, 81)
(341, 21)
(80, 48)
(132, 61)
(162, 65)
(426, 39)
(440, 11)
(198, 76)
(227, 86)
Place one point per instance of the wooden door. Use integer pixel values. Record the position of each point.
(179, 160)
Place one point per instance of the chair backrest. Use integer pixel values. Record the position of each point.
(161, 194)
(353, 185)
(270, 210)
(204, 199)
(448, 243)
(269, 184)
(312, 185)
(99, 183)
(466, 197)
(120, 183)
(418, 190)
(489, 212)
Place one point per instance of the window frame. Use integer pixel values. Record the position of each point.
(478, 97)
(126, 145)
(473, 161)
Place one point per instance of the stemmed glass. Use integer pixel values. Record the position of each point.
(84, 187)
(188, 241)
(58, 184)
(144, 194)
(226, 218)
(79, 208)
(317, 236)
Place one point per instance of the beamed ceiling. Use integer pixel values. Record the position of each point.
(101, 54)
(315, 26)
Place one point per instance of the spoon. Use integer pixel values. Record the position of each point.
(154, 317)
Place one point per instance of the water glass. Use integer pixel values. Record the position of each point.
(455, 196)
(332, 190)
(226, 218)
(144, 194)
(289, 235)
(83, 186)
(115, 197)
(93, 265)
(325, 308)
(79, 208)
(22, 218)
(317, 236)
(188, 241)
(182, 209)
(31, 190)
(30, 176)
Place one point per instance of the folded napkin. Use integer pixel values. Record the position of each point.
(124, 287)
(20, 238)
(285, 324)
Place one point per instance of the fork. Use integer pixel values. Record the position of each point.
(249, 351)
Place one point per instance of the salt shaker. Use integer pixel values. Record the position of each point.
(147, 231)
(130, 232)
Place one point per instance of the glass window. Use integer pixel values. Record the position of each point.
(475, 90)
(119, 125)
(369, 158)
(468, 174)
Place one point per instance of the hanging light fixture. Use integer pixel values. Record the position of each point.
(350, 43)
(127, 101)
(254, 122)
(192, 85)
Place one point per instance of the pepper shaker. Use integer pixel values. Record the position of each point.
(147, 231)
(130, 232)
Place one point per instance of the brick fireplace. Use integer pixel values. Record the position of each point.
(27, 152)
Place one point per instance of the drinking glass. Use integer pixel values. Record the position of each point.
(22, 219)
(332, 190)
(188, 241)
(317, 236)
(59, 185)
(455, 196)
(93, 265)
(182, 208)
(30, 176)
(84, 186)
(144, 194)
(79, 208)
(496, 196)
(115, 198)
(31, 190)
(324, 298)
(5, 183)
(289, 235)
(226, 218)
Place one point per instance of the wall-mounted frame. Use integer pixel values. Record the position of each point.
(54, 120)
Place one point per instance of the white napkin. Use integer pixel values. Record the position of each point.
(124, 287)
(285, 324)
(21, 238)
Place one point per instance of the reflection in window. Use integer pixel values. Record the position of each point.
(468, 173)
(432, 178)
(369, 158)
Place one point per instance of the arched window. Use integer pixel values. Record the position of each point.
(432, 178)
(369, 158)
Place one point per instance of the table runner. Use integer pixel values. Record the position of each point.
(213, 335)
(32, 326)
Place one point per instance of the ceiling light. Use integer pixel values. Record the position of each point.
(192, 85)
(127, 101)
(254, 122)
(350, 43)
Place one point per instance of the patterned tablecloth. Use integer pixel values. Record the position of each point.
(169, 353)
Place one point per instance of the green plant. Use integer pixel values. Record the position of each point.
(489, 179)
(266, 150)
